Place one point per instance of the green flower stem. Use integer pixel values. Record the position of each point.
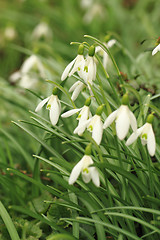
(108, 79)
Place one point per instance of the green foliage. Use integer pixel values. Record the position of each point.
(36, 158)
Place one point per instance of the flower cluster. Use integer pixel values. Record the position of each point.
(86, 69)
(124, 118)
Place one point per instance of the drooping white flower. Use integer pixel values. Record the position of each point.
(124, 118)
(53, 105)
(10, 33)
(24, 80)
(89, 70)
(96, 10)
(88, 173)
(109, 44)
(94, 125)
(32, 63)
(42, 30)
(156, 49)
(146, 134)
(76, 65)
(76, 88)
(83, 116)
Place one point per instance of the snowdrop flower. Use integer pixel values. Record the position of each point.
(76, 65)
(147, 136)
(89, 71)
(53, 105)
(76, 88)
(94, 125)
(109, 44)
(96, 10)
(24, 80)
(86, 3)
(33, 62)
(82, 117)
(10, 33)
(157, 48)
(123, 118)
(83, 166)
(42, 30)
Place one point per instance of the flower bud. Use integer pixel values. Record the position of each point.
(88, 101)
(55, 91)
(99, 110)
(125, 99)
(80, 49)
(91, 51)
(150, 118)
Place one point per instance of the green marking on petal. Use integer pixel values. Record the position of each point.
(90, 128)
(144, 136)
(79, 116)
(85, 170)
(49, 106)
(79, 69)
(86, 68)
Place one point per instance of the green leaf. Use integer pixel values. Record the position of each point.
(8, 222)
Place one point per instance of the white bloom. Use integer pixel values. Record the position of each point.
(86, 3)
(109, 44)
(156, 49)
(94, 125)
(27, 82)
(96, 10)
(24, 80)
(89, 70)
(75, 66)
(53, 105)
(42, 30)
(10, 33)
(147, 137)
(88, 173)
(82, 117)
(76, 88)
(33, 62)
(124, 118)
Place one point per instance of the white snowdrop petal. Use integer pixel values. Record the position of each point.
(156, 49)
(110, 119)
(41, 104)
(77, 91)
(74, 86)
(133, 121)
(77, 64)
(151, 142)
(76, 171)
(86, 176)
(111, 43)
(81, 127)
(95, 176)
(105, 60)
(97, 131)
(28, 64)
(54, 112)
(84, 114)
(14, 77)
(41, 68)
(67, 69)
(70, 112)
(134, 136)
(122, 124)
